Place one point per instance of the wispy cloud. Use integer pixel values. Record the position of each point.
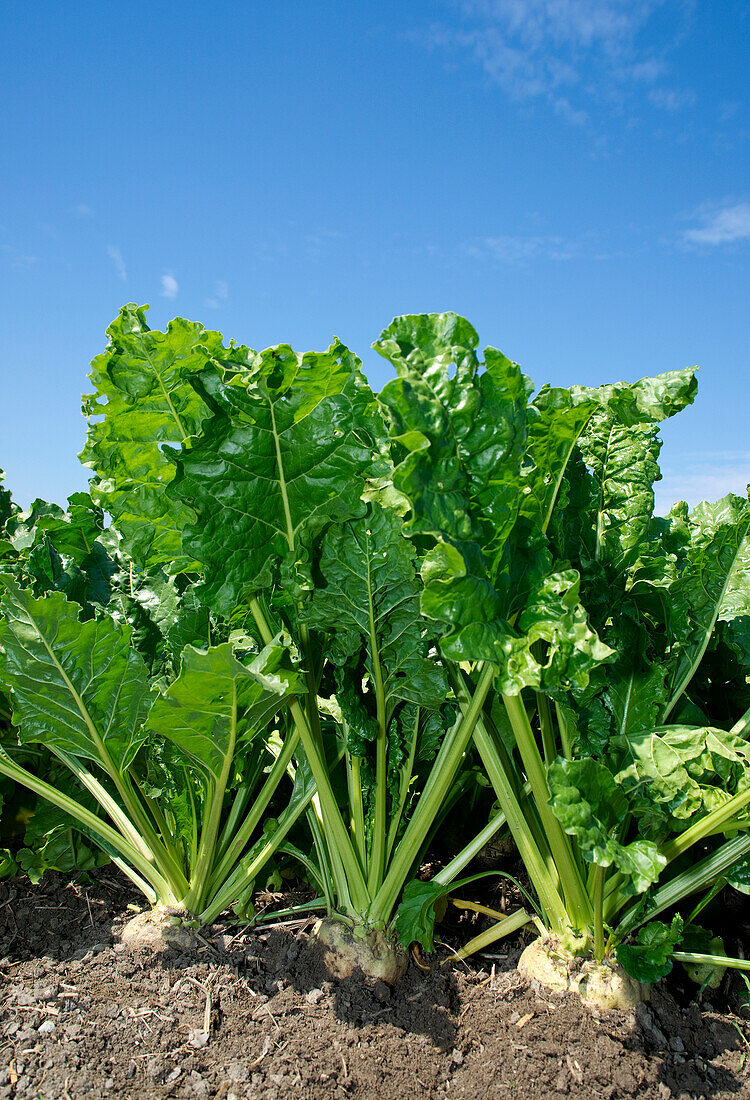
(727, 224)
(82, 210)
(710, 476)
(220, 294)
(571, 53)
(22, 261)
(169, 286)
(521, 249)
(116, 257)
(671, 99)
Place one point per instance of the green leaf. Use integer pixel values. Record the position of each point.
(217, 702)
(287, 450)
(681, 770)
(371, 597)
(555, 421)
(623, 463)
(142, 400)
(465, 433)
(648, 400)
(648, 957)
(739, 876)
(464, 430)
(590, 805)
(714, 584)
(53, 841)
(634, 690)
(415, 917)
(551, 648)
(76, 686)
(701, 941)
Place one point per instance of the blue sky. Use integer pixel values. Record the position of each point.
(571, 175)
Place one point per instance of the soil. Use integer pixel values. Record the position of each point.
(252, 1015)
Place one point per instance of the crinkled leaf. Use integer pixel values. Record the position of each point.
(634, 690)
(590, 805)
(648, 957)
(77, 686)
(142, 400)
(648, 400)
(623, 463)
(464, 430)
(555, 421)
(682, 770)
(551, 647)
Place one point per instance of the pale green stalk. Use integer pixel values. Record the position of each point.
(341, 845)
(439, 782)
(578, 902)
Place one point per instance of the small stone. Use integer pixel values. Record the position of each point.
(236, 1071)
(314, 996)
(561, 1082)
(677, 1044)
(155, 1069)
(47, 1027)
(197, 1037)
(198, 1085)
(457, 1057)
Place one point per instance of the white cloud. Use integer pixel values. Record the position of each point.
(562, 50)
(220, 294)
(169, 286)
(22, 261)
(726, 225)
(709, 477)
(520, 249)
(116, 257)
(671, 99)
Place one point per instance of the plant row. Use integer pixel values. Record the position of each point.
(296, 621)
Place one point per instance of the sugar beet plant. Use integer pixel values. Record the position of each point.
(318, 611)
(633, 799)
(169, 773)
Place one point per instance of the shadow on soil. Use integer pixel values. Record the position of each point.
(485, 1032)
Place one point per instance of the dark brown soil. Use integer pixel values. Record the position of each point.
(252, 1015)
